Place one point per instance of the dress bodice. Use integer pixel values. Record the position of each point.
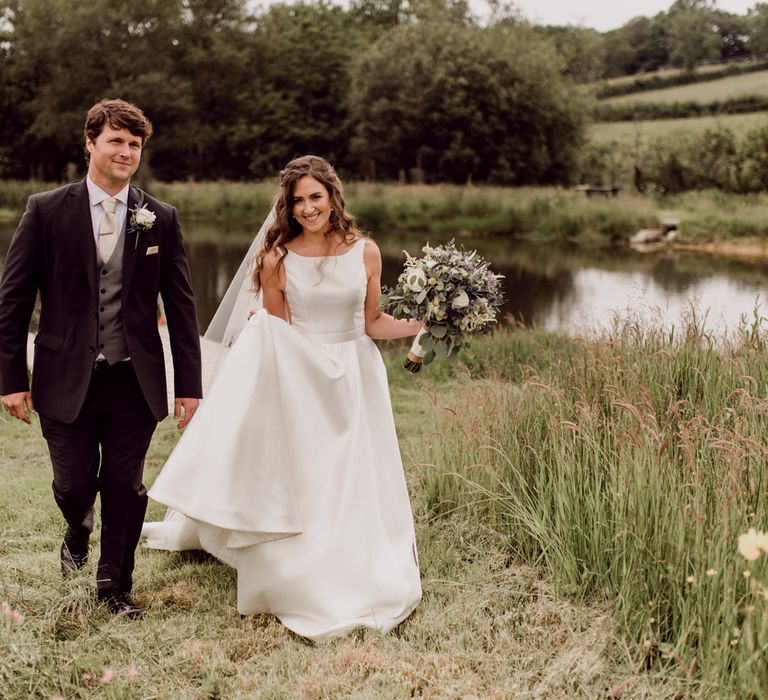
(326, 294)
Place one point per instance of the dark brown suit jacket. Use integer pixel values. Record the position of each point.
(53, 250)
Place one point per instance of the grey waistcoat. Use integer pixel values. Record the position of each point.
(110, 339)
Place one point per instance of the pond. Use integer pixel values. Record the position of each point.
(565, 287)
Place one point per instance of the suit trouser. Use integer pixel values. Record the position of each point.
(115, 416)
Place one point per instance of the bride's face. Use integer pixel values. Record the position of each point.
(311, 205)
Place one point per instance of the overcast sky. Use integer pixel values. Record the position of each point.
(607, 14)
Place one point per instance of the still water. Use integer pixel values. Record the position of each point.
(570, 288)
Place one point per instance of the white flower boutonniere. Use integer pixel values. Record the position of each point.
(142, 219)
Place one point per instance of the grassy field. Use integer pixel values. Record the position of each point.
(709, 91)
(626, 133)
(622, 79)
(494, 623)
(628, 467)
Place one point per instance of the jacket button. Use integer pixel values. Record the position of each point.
(101, 346)
(103, 291)
(103, 272)
(101, 308)
(101, 328)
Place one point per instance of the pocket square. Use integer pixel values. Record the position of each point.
(153, 249)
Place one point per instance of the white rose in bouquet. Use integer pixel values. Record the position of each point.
(416, 279)
(460, 300)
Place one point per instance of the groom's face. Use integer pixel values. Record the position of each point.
(115, 156)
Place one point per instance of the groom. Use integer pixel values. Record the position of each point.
(100, 251)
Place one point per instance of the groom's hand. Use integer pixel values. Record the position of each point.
(19, 405)
(184, 409)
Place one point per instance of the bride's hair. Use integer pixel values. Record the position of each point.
(285, 226)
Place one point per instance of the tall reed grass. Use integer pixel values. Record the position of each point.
(537, 212)
(546, 213)
(628, 466)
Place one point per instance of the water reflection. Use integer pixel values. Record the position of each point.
(570, 288)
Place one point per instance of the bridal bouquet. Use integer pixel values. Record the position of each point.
(452, 291)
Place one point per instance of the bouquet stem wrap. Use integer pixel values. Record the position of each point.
(415, 354)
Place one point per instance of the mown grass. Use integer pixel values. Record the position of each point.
(710, 91)
(626, 134)
(628, 467)
(711, 71)
(489, 626)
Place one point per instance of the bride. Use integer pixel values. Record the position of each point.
(291, 471)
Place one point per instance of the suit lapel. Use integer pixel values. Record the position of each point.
(79, 209)
(130, 252)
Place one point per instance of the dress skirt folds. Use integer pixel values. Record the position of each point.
(290, 470)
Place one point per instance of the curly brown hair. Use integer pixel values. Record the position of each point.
(285, 226)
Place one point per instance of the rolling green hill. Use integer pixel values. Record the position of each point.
(721, 89)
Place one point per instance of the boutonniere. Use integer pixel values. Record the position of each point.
(142, 219)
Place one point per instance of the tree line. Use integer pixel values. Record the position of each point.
(409, 90)
(415, 90)
(689, 33)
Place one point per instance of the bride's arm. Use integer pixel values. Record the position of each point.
(272, 280)
(378, 324)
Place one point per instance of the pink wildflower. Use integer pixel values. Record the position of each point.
(133, 673)
(5, 608)
(108, 675)
(18, 617)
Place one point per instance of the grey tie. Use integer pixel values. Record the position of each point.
(108, 229)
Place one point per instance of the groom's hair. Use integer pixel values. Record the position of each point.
(119, 114)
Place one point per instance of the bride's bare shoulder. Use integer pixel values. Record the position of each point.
(271, 258)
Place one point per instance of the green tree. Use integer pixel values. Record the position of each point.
(639, 45)
(215, 40)
(446, 102)
(582, 50)
(692, 33)
(757, 22)
(733, 31)
(66, 55)
(754, 154)
(296, 99)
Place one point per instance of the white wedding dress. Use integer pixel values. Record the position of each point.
(290, 470)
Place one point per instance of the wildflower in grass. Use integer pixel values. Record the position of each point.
(108, 675)
(711, 572)
(746, 574)
(18, 617)
(87, 676)
(132, 673)
(691, 579)
(752, 544)
(5, 608)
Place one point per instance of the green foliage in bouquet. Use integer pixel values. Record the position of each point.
(452, 291)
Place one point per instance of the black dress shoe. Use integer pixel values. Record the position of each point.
(74, 550)
(122, 604)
